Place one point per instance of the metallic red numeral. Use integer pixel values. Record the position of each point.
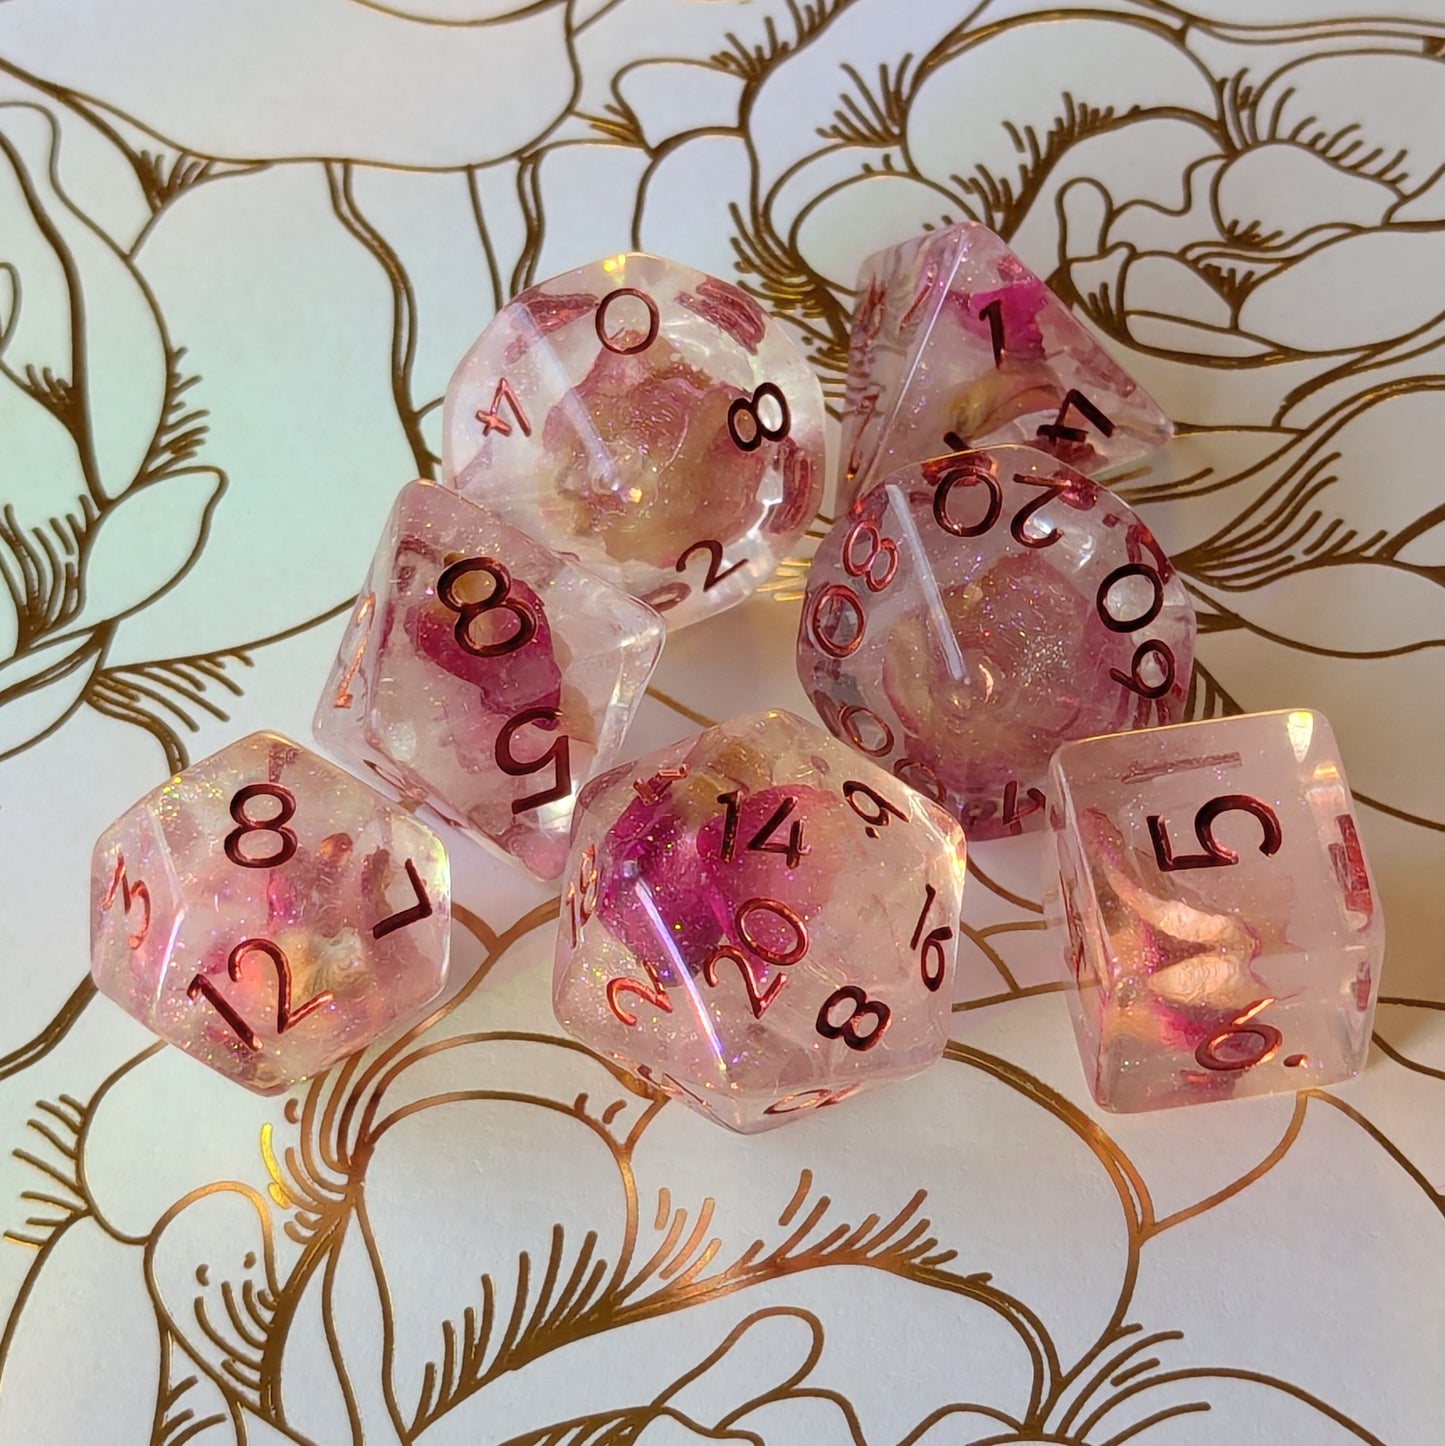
(277, 825)
(1058, 432)
(1163, 655)
(468, 612)
(1052, 488)
(815, 1099)
(878, 546)
(1012, 814)
(1156, 603)
(129, 893)
(412, 914)
(759, 997)
(1244, 1044)
(843, 599)
(862, 1008)
(761, 842)
(581, 907)
(714, 551)
(613, 344)
(655, 995)
(286, 1016)
(365, 610)
(966, 474)
(883, 812)
(762, 431)
(932, 944)
(1348, 860)
(1215, 855)
(559, 755)
(653, 790)
(930, 786)
(493, 421)
(993, 314)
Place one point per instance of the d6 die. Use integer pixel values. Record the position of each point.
(485, 675)
(956, 344)
(971, 612)
(760, 921)
(268, 913)
(1207, 888)
(651, 420)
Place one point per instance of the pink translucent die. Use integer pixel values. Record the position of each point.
(486, 676)
(972, 612)
(649, 419)
(1207, 892)
(760, 921)
(957, 344)
(268, 913)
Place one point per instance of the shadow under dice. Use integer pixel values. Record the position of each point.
(649, 419)
(972, 612)
(1207, 889)
(486, 676)
(268, 913)
(760, 922)
(957, 344)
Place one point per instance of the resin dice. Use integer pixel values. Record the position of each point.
(268, 913)
(1209, 897)
(650, 419)
(957, 344)
(760, 922)
(972, 612)
(486, 676)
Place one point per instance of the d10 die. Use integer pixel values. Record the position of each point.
(760, 921)
(972, 612)
(649, 419)
(268, 913)
(485, 675)
(957, 344)
(1207, 888)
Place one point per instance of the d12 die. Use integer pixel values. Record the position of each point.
(268, 913)
(957, 344)
(760, 921)
(485, 675)
(651, 420)
(972, 612)
(1207, 887)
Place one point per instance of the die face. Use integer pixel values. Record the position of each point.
(1231, 933)
(268, 913)
(649, 419)
(957, 344)
(760, 921)
(972, 612)
(485, 676)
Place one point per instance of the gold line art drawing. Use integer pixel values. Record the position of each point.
(229, 306)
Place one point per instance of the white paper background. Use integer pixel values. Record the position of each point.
(241, 248)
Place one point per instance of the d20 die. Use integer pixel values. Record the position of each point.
(649, 419)
(268, 913)
(1207, 888)
(970, 613)
(957, 344)
(760, 921)
(486, 676)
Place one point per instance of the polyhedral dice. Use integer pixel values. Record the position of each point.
(957, 344)
(649, 419)
(972, 612)
(268, 913)
(1209, 898)
(486, 676)
(759, 921)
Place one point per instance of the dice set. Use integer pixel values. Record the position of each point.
(762, 919)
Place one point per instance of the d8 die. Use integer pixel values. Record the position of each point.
(957, 344)
(485, 675)
(1207, 888)
(268, 913)
(760, 921)
(972, 612)
(649, 419)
